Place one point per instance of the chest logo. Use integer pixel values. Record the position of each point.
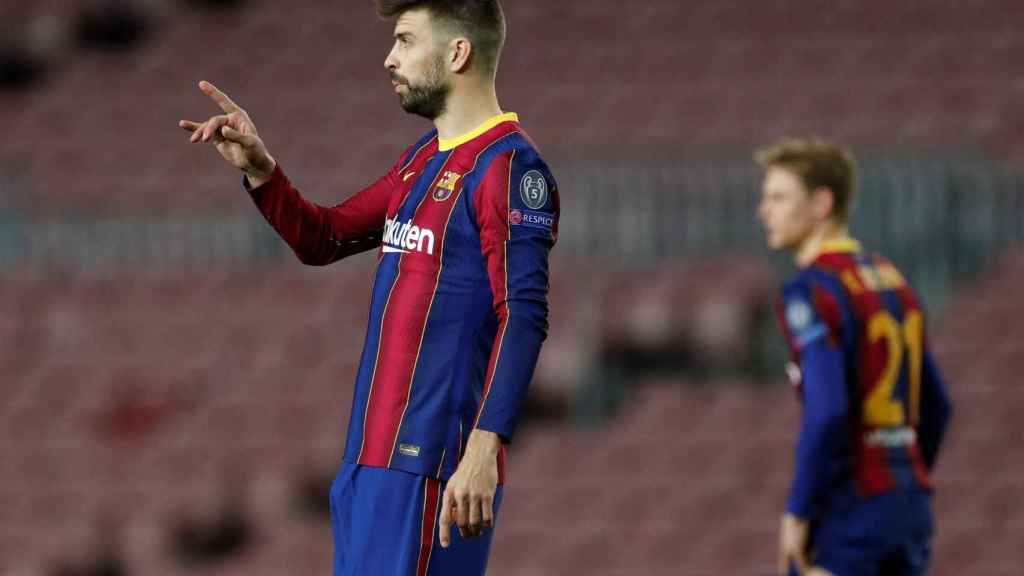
(405, 237)
(446, 185)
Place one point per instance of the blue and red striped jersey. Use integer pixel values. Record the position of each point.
(459, 304)
(875, 406)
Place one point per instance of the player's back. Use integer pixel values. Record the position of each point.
(869, 489)
(874, 315)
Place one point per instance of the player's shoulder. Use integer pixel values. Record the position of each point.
(527, 169)
(811, 280)
(858, 272)
(506, 139)
(529, 174)
(514, 158)
(515, 147)
(890, 275)
(837, 268)
(800, 310)
(814, 294)
(511, 174)
(834, 265)
(526, 152)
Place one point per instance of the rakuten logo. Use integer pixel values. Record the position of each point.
(404, 237)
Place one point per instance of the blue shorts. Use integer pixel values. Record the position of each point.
(385, 524)
(887, 535)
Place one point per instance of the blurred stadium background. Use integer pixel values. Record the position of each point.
(174, 385)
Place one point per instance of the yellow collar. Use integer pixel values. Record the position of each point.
(446, 144)
(840, 245)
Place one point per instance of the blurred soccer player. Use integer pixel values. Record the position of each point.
(874, 404)
(464, 220)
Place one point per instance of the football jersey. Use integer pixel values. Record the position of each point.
(861, 305)
(458, 311)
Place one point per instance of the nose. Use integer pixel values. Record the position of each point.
(391, 63)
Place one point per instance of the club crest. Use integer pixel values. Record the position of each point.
(446, 185)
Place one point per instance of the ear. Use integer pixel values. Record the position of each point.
(824, 203)
(459, 53)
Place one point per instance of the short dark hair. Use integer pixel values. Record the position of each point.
(819, 164)
(481, 21)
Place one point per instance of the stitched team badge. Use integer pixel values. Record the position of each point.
(446, 185)
(534, 190)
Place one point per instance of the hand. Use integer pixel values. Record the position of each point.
(469, 497)
(234, 135)
(793, 544)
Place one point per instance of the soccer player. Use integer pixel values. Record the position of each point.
(874, 404)
(464, 222)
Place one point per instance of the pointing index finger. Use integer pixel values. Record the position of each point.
(222, 100)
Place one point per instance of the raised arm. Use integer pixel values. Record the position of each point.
(317, 234)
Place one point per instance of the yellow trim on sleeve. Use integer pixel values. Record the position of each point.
(840, 245)
(446, 144)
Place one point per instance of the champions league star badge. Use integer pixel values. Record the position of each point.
(799, 316)
(534, 190)
(446, 185)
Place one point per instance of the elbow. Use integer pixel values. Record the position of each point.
(311, 259)
(535, 321)
(946, 413)
(533, 311)
(533, 308)
(829, 424)
(941, 409)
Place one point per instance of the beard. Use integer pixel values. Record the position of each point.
(429, 99)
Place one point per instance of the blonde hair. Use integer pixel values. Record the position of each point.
(818, 164)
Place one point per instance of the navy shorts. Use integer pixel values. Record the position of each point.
(385, 523)
(887, 535)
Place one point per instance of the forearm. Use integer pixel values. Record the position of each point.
(812, 477)
(513, 359)
(937, 412)
(317, 234)
(823, 426)
(482, 445)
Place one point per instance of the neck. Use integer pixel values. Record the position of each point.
(810, 248)
(468, 106)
